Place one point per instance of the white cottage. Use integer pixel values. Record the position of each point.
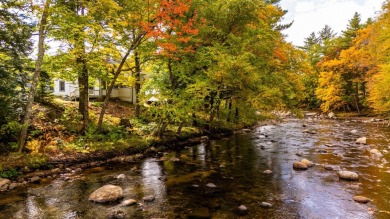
(70, 90)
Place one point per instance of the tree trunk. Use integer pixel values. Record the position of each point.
(35, 79)
(229, 111)
(237, 115)
(357, 97)
(82, 76)
(137, 83)
(179, 129)
(109, 91)
(83, 93)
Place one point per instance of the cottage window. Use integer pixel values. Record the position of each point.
(62, 86)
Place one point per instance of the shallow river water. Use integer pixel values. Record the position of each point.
(235, 166)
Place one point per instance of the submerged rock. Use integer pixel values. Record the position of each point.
(362, 140)
(299, 154)
(117, 214)
(376, 153)
(328, 168)
(199, 213)
(149, 198)
(107, 193)
(348, 175)
(299, 166)
(307, 162)
(361, 199)
(354, 131)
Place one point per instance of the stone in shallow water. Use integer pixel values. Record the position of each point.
(4, 184)
(266, 205)
(307, 162)
(211, 185)
(361, 199)
(35, 179)
(354, 131)
(129, 202)
(121, 176)
(148, 198)
(299, 166)
(242, 210)
(299, 154)
(348, 175)
(362, 140)
(328, 168)
(117, 214)
(107, 193)
(267, 172)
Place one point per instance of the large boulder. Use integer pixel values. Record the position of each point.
(107, 193)
(348, 175)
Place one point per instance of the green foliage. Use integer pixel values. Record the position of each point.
(36, 161)
(10, 174)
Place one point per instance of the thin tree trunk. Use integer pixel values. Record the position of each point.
(229, 110)
(237, 115)
(83, 93)
(82, 76)
(137, 83)
(179, 129)
(35, 79)
(110, 88)
(357, 97)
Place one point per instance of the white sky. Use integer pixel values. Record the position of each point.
(313, 15)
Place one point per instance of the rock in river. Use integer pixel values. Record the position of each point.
(361, 199)
(267, 172)
(299, 166)
(376, 153)
(149, 198)
(4, 183)
(211, 185)
(307, 162)
(117, 214)
(242, 210)
(362, 140)
(107, 193)
(266, 205)
(348, 175)
(128, 202)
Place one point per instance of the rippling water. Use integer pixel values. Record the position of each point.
(235, 166)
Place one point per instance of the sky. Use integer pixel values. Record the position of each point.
(312, 15)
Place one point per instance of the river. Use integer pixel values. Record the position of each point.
(236, 166)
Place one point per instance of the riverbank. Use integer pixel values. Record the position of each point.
(56, 149)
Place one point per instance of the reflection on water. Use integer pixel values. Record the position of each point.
(236, 167)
